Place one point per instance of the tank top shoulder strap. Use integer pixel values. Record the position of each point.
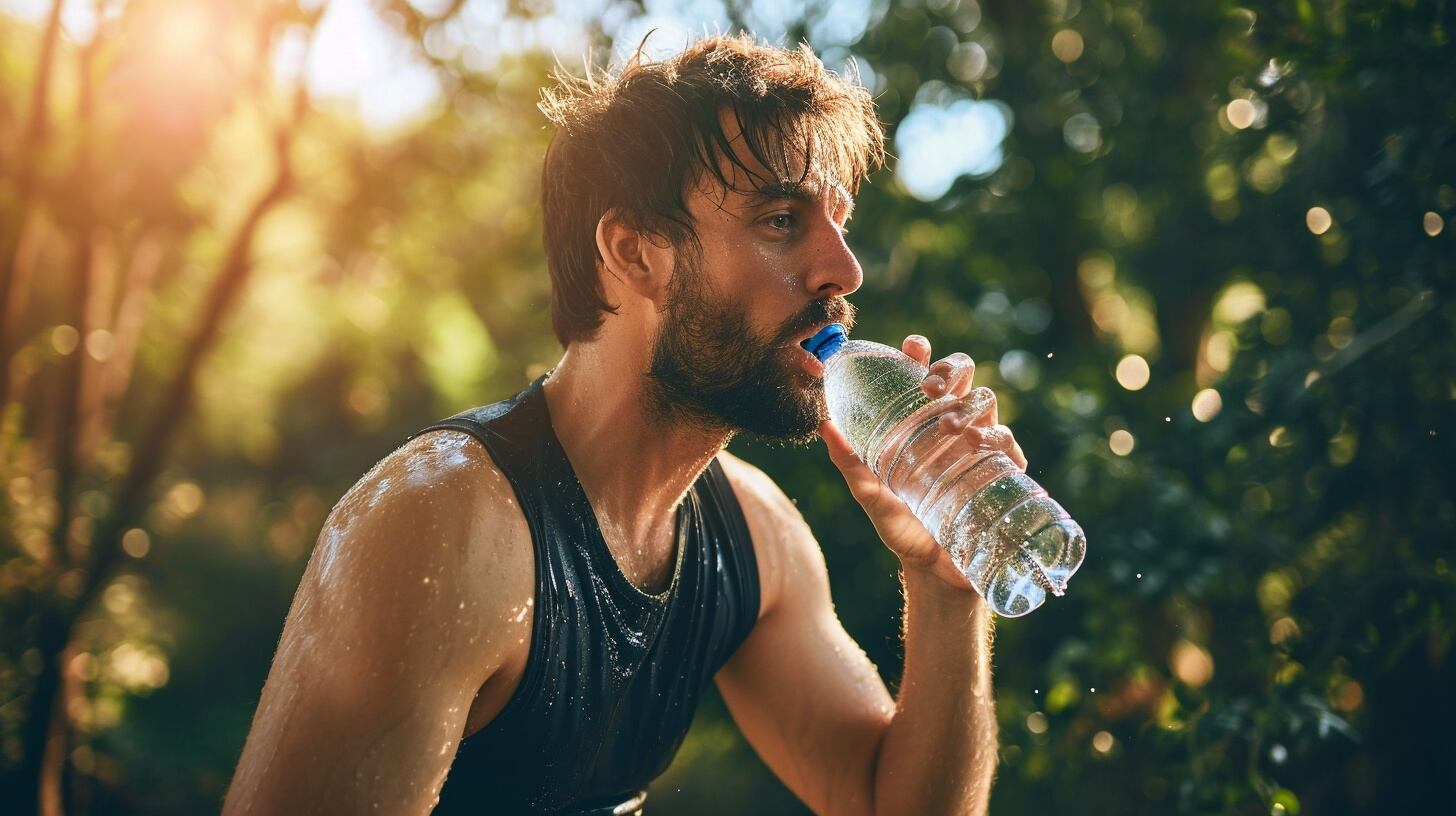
(478, 423)
(733, 546)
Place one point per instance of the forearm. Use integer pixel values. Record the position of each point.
(939, 752)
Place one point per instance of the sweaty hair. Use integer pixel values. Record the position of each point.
(637, 139)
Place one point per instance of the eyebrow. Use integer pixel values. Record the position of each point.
(806, 191)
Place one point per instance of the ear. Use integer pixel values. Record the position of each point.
(641, 261)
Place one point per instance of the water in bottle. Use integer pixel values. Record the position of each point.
(1001, 529)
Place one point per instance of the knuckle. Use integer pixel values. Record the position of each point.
(976, 402)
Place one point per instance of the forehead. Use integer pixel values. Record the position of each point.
(743, 180)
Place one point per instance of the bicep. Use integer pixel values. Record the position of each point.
(339, 729)
(803, 693)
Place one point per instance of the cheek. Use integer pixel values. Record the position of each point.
(773, 268)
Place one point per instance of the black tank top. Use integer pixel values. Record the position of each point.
(613, 674)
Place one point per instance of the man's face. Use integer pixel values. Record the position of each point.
(773, 268)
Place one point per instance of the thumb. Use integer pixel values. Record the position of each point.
(866, 487)
(841, 453)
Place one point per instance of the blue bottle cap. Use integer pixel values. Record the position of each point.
(826, 341)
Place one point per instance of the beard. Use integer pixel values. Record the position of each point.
(711, 369)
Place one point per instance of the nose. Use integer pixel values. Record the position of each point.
(835, 270)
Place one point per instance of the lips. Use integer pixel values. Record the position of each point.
(823, 312)
(803, 339)
(810, 363)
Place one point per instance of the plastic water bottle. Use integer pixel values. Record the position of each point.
(1001, 529)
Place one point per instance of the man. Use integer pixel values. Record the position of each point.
(517, 610)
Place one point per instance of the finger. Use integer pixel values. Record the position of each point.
(954, 422)
(951, 375)
(862, 482)
(1010, 445)
(1017, 456)
(981, 406)
(988, 438)
(978, 409)
(841, 453)
(1000, 438)
(918, 348)
(898, 527)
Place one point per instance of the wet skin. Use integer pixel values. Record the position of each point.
(411, 625)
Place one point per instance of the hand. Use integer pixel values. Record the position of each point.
(901, 531)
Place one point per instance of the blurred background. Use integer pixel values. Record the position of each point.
(1202, 251)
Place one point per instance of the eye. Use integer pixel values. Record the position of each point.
(781, 221)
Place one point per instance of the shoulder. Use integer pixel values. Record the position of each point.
(432, 530)
(441, 488)
(785, 547)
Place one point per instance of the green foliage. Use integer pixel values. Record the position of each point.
(1267, 593)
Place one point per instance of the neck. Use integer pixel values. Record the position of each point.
(634, 467)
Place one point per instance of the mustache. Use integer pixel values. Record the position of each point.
(833, 309)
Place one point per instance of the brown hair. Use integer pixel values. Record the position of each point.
(636, 140)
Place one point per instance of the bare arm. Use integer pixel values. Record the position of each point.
(409, 604)
(809, 701)
(939, 753)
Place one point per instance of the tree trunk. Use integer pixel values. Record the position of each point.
(53, 632)
(12, 269)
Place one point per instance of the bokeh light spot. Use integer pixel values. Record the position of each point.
(136, 543)
(1067, 45)
(1036, 722)
(1083, 133)
(939, 143)
(1239, 301)
(1318, 220)
(184, 499)
(1348, 697)
(1433, 224)
(1191, 664)
(64, 339)
(1121, 442)
(1241, 113)
(967, 61)
(1133, 372)
(1206, 404)
(1102, 742)
(100, 344)
(1282, 630)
